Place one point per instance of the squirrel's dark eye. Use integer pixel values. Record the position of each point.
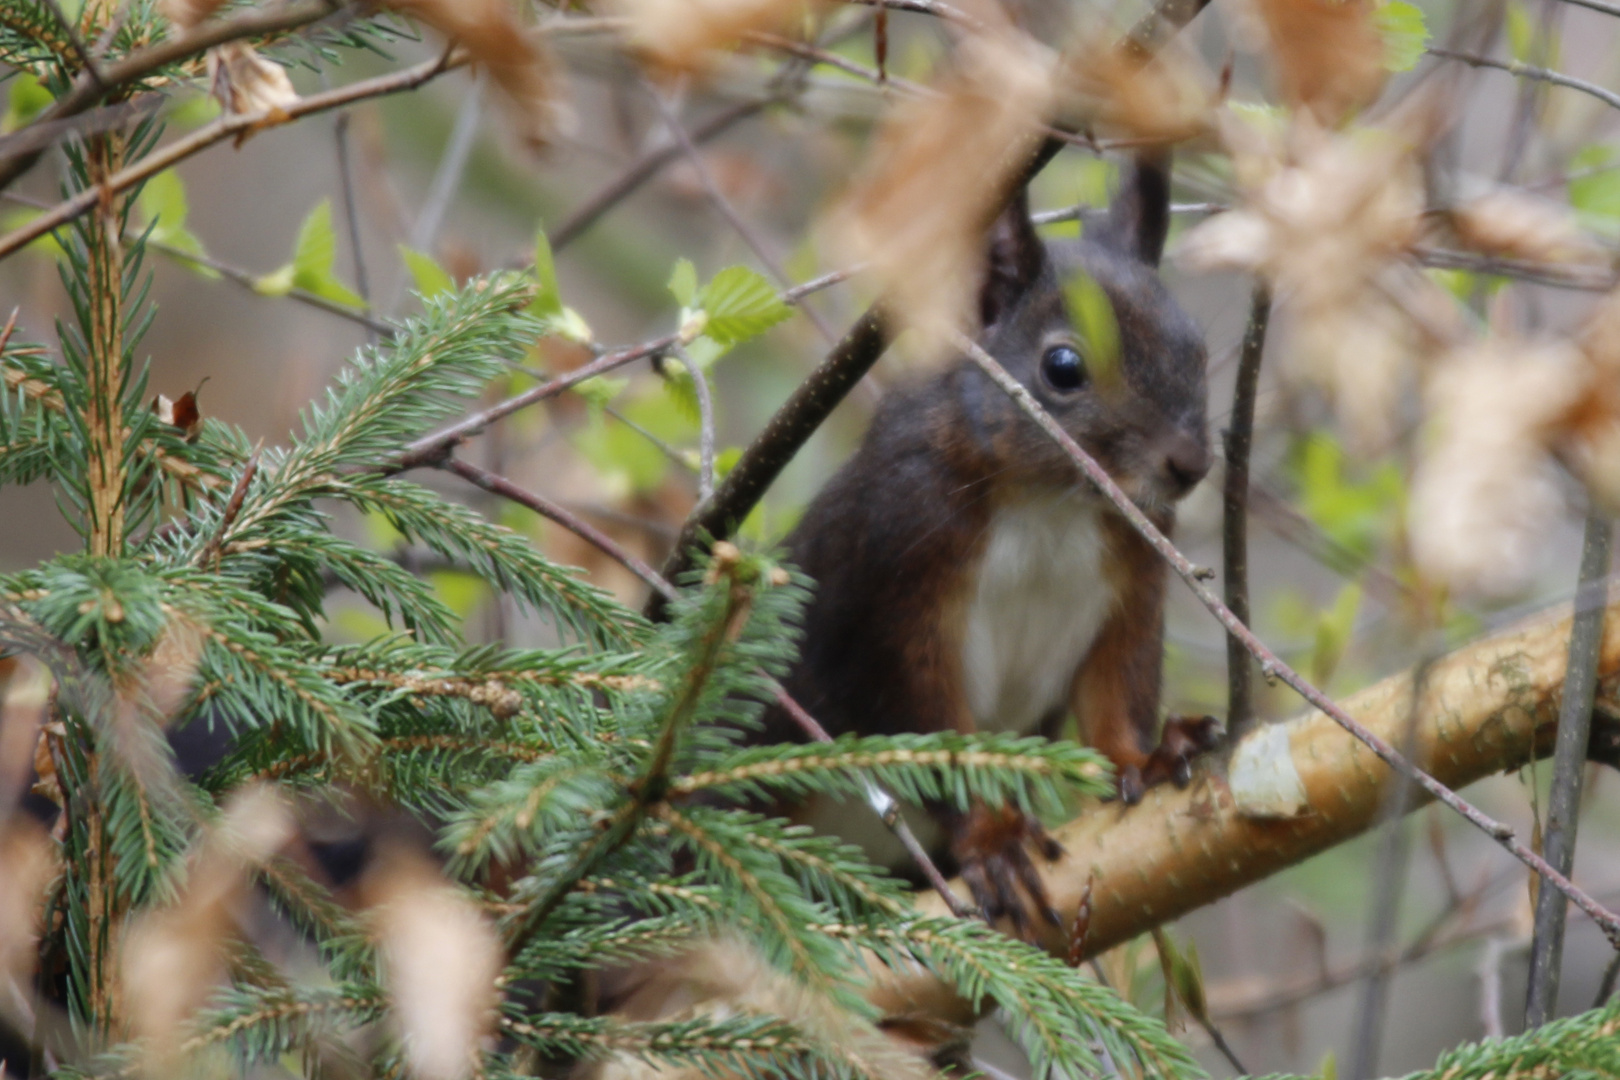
(1063, 369)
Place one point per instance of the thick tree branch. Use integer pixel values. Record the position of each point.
(1486, 708)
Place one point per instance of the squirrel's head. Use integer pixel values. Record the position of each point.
(1091, 331)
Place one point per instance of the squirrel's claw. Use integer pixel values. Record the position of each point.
(1184, 738)
(992, 849)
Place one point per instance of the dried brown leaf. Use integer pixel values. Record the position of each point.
(23, 712)
(188, 13)
(29, 860)
(1485, 486)
(441, 958)
(1328, 219)
(1169, 98)
(688, 35)
(1517, 225)
(1329, 54)
(1590, 441)
(245, 82)
(519, 64)
(728, 976)
(918, 216)
(172, 958)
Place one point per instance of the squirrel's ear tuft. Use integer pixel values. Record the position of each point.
(1014, 261)
(1139, 219)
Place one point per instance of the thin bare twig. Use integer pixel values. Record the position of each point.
(1270, 663)
(447, 177)
(351, 209)
(1388, 886)
(1530, 71)
(1597, 5)
(210, 550)
(1566, 276)
(235, 274)
(1569, 766)
(1235, 519)
(500, 485)
(219, 130)
(645, 168)
(700, 384)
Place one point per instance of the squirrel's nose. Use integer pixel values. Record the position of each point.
(1187, 462)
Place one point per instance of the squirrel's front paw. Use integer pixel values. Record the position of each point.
(1184, 738)
(992, 848)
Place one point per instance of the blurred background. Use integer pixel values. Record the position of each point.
(439, 171)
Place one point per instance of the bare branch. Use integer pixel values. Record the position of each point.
(1569, 766)
(1235, 534)
(1528, 71)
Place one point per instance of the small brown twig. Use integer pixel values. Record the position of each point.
(1585, 278)
(218, 131)
(210, 551)
(499, 485)
(645, 168)
(1530, 71)
(1272, 665)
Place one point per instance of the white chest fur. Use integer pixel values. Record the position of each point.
(1034, 608)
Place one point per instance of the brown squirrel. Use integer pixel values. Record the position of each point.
(966, 575)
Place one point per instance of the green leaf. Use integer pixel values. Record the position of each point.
(430, 278)
(1093, 315)
(1355, 515)
(1594, 187)
(601, 389)
(278, 282)
(1333, 633)
(547, 303)
(626, 460)
(683, 282)
(314, 255)
(163, 202)
(28, 96)
(741, 305)
(1405, 34)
